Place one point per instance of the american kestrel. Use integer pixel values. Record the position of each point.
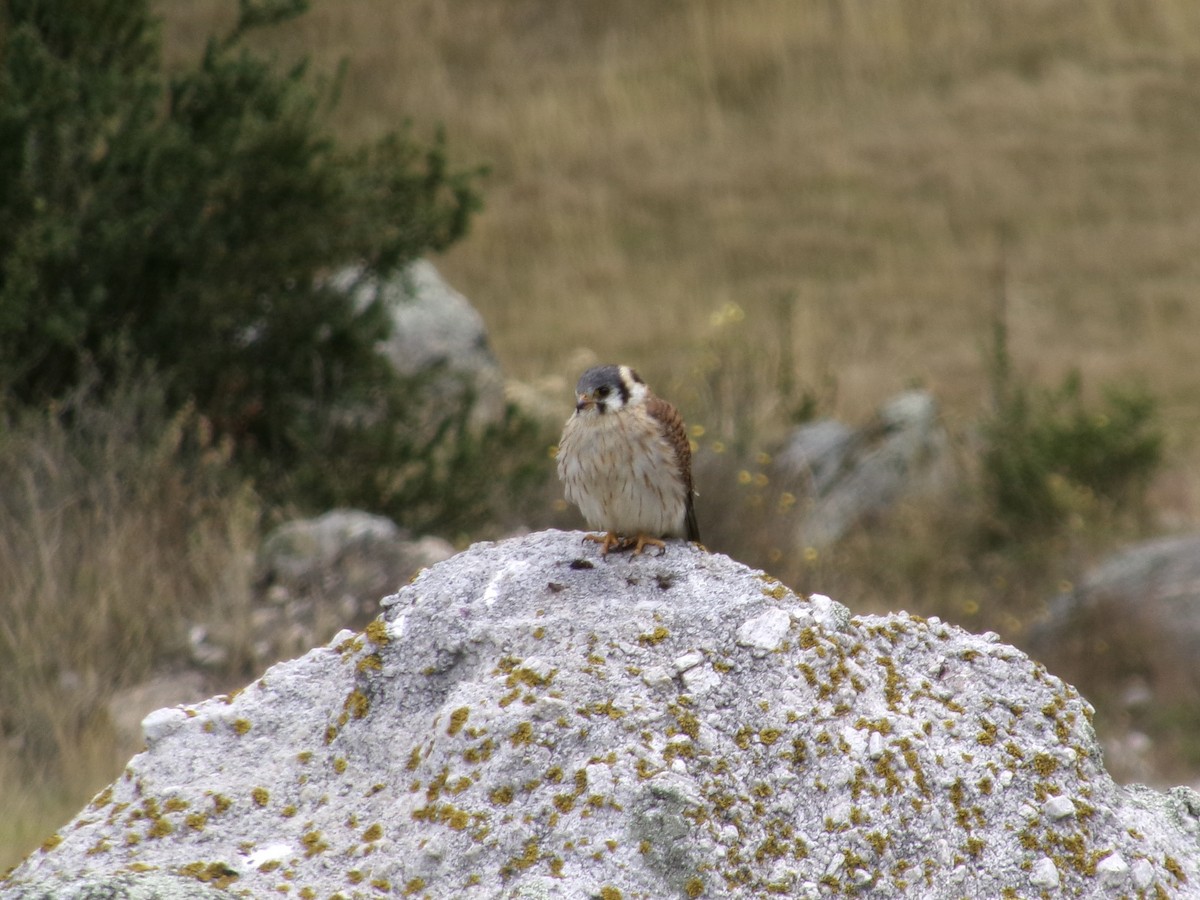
(624, 460)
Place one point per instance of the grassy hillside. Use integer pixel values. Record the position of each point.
(653, 163)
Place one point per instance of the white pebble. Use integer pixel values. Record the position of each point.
(1143, 874)
(1045, 873)
(1112, 869)
(1058, 807)
(875, 745)
(764, 633)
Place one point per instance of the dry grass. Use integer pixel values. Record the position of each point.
(760, 204)
(118, 527)
(654, 163)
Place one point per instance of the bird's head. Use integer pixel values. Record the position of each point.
(606, 389)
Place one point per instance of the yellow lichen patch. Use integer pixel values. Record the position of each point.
(241, 726)
(1045, 764)
(357, 704)
(645, 770)
(1171, 864)
(377, 633)
(339, 764)
(313, 843)
(778, 592)
(350, 645)
(260, 796)
(501, 796)
(482, 753)
(458, 719)
(221, 803)
(373, 833)
(742, 738)
(654, 638)
(175, 804)
(414, 886)
(51, 842)
(414, 758)
(103, 798)
(686, 721)
(528, 677)
(610, 893)
(891, 689)
(694, 887)
(522, 735)
(605, 708)
(435, 787)
(528, 857)
(372, 662)
(159, 828)
(218, 874)
(197, 821)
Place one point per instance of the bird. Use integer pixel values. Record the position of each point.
(624, 460)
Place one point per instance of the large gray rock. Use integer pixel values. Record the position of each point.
(530, 720)
(846, 476)
(438, 336)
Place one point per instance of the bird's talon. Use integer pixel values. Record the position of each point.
(607, 541)
(643, 541)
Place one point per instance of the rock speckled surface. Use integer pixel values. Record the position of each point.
(530, 720)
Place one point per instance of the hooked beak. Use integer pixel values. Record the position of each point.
(582, 402)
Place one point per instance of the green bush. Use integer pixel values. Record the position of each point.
(190, 223)
(1043, 448)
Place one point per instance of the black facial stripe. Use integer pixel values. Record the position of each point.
(636, 377)
(623, 390)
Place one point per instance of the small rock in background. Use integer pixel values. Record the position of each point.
(846, 476)
(317, 576)
(1130, 633)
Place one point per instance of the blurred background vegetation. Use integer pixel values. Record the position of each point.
(774, 210)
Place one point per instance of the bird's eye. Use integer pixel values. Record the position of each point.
(603, 391)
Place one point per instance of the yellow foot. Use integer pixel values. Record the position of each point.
(643, 541)
(608, 541)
